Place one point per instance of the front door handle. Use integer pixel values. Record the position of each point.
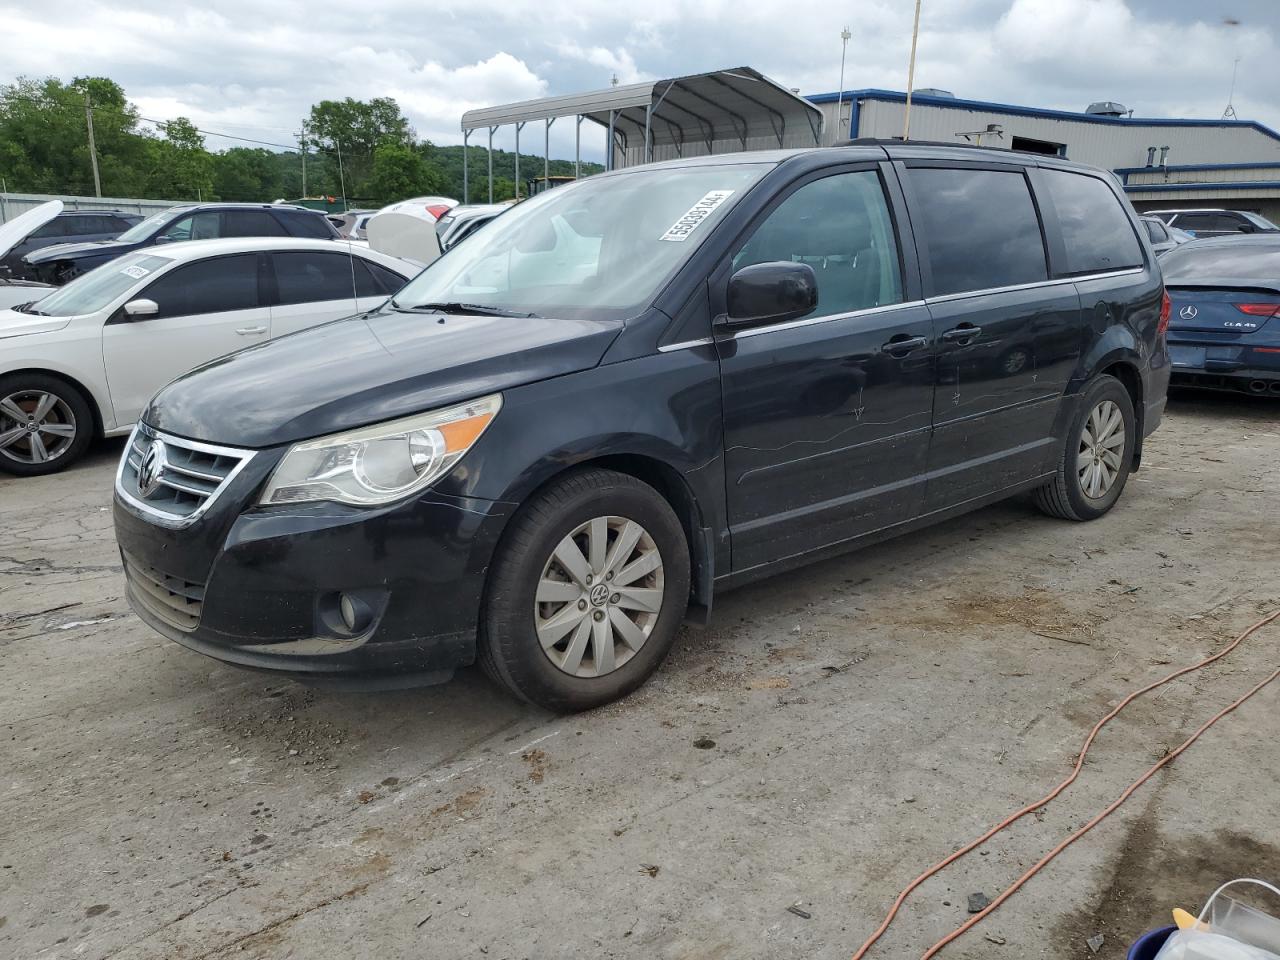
(250, 331)
(962, 334)
(901, 347)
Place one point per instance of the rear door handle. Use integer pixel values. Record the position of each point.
(900, 348)
(961, 333)
(250, 331)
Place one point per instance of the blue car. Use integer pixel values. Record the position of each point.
(1224, 326)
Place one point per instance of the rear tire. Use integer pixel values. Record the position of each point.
(578, 634)
(1098, 454)
(60, 415)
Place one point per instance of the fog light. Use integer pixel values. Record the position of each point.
(347, 607)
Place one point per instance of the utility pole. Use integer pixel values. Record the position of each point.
(911, 74)
(302, 139)
(844, 45)
(93, 149)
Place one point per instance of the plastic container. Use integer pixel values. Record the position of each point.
(1149, 944)
(1227, 930)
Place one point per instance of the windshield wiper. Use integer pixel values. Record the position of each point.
(479, 309)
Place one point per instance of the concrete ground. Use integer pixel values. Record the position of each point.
(834, 731)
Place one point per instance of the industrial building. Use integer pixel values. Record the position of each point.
(1161, 162)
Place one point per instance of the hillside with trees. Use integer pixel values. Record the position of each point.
(366, 150)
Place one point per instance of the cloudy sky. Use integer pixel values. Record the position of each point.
(253, 69)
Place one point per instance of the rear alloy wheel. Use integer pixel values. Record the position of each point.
(1097, 457)
(586, 592)
(45, 424)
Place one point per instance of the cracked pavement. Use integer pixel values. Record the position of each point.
(830, 734)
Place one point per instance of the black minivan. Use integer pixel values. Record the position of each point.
(564, 436)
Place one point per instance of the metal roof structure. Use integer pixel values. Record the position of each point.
(718, 112)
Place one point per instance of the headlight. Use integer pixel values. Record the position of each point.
(382, 463)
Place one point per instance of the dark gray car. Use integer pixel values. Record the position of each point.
(70, 226)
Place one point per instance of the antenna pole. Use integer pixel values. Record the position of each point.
(911, 74)
(302, 140)
(1230, 112)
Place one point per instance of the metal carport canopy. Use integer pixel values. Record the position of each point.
(739, 109)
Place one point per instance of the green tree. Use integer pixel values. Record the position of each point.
(400, 172)
(349, 131)
(181, 167)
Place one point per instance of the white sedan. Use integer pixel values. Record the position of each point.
(85, 359)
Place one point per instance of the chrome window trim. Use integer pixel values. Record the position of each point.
(986, 291)
(687, 344)
(159, 517)
(1056, 282)
(825, 318)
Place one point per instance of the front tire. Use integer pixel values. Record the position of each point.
(1095, 462)
(46, 424)
(587, 591)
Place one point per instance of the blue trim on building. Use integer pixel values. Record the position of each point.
(893, 96)
(1171, 187)
(1263, 164)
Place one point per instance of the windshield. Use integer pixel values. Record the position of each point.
(1234, 260)
(140, 231)
(98, 288)
(600, 248)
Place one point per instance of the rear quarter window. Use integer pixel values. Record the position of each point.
(1096, 230)
(312, 225)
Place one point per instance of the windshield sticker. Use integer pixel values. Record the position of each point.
(680, 230)
(136, 272)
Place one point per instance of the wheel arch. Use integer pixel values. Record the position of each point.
(99, 425)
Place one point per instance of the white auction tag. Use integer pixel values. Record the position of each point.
(136, 272)
(680, 230)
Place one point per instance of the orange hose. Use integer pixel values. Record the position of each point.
(1052, 794)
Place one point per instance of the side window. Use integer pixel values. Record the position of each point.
(979, 227)
(207, 286)
(307, 277)
(1155, 231)
(1198, 221)
(840, 226)
(250, 223)
(311, 225)
(198, 226)
(1095, 227)
(57, 227)
(387, 282)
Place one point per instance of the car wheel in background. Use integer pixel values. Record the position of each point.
(1098, 455)
(45, 424)
(586, 593)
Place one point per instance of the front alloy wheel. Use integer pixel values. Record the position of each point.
(585, 592)
(599, 596)
(36, 427)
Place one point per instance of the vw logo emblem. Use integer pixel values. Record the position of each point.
(599, 594)
(152, 469)
(1188, 312)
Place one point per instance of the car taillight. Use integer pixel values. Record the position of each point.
(1166, 310)
(437, 210)
(1259, 309)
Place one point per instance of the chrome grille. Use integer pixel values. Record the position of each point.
(177, 602)
(183, 479)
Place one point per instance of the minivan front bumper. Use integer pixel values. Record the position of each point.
(268, 595)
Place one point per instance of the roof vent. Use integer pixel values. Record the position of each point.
(1107, 108)
(935, 92)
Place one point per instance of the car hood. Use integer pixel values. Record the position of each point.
(14, 231)
(14, 324)
(61, 251)
(369, 368)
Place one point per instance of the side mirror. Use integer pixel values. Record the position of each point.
(141, 308)
(1245, 228)
(771, 293)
